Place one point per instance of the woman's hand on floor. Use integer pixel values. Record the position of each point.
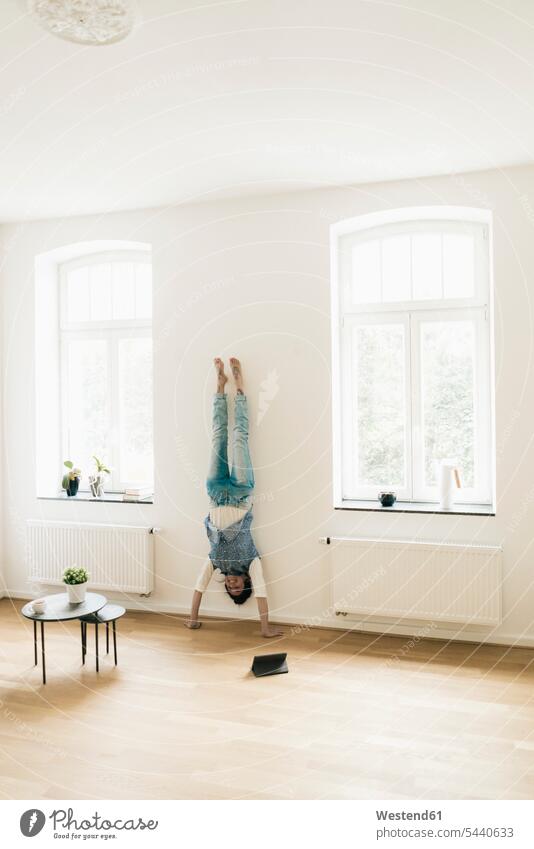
(193, 624)
(271, 632)
(267, 630)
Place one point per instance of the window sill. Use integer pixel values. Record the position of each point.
(419, 507)
(107, 498)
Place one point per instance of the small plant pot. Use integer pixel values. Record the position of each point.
(76, 592)
(73, 487)
(96, 484)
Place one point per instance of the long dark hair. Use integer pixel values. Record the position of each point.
(245, 593)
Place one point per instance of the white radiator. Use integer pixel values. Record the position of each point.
(416, 580)
(118, 557)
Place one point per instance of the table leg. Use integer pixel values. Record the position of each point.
(107, 637)
(43, 651)
(83, 640)
(35, 642)
(96, 645)
(115, 640)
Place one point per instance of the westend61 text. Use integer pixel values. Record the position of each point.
(409, 815)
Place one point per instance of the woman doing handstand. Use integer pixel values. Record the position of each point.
(232, 550)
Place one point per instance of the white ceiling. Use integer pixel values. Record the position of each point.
(225, 98)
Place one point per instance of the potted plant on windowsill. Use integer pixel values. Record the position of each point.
(97, 481)
(75, 579)
(71, 480)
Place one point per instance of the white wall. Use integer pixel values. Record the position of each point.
(251, 277)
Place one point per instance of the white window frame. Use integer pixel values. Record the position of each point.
(111, 332)
(349, 324)
(346, 315)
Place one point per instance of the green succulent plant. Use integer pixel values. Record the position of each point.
(75, 575)
(101, 466)
(71, 475)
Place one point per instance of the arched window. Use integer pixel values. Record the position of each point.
(411, 353)
(98, 297)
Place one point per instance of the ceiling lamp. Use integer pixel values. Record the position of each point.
(85, 21)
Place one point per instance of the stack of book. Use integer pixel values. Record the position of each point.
(137, 493)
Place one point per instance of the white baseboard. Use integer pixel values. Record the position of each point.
(300, 623)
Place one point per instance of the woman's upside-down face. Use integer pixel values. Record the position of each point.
(235, 584)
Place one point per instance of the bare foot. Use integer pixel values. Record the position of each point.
(192, 625)
(221, 377)
(235, 365)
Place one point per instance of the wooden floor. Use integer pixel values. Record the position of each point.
(181, 717)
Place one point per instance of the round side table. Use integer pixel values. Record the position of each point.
(60, 609)
(108, 613)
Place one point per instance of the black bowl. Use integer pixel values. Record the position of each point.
(387, 499)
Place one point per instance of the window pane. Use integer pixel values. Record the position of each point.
(366, 273)
(100, 291)
(458, 265)
(87, 403)
(135, 410)
(123, 276)
(143, 290)
(78, 307)
(378, 392)
(396, 271)
(448, 373)
(426, 266)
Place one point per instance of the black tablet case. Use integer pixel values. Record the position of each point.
(269, 664)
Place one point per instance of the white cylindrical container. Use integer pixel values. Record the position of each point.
(446, 484)
(76, 592)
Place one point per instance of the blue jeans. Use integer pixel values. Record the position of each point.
(223, 486)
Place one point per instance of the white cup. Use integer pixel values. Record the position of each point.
(39, 605)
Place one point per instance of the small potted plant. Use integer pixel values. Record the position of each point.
(75, 578)
(71, 479)
(97, 481)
